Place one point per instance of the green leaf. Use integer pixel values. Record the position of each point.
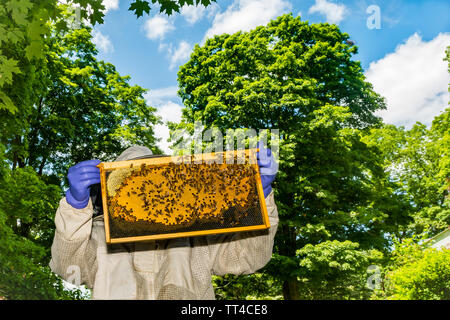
(35, 29)
(19, 10)
(168, 6)
(34, 50)
(139, 7)
(8, 67)
(6, 103)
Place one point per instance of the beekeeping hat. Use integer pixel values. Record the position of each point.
(134, 153)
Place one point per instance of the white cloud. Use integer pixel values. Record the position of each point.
(180, 54)
(212, 10)
(192, 14)
(413, 79)
(162, 47)
(333, 11)
(102, 42)
(169, 111)
(111, 4)
(245, 15)
(164, 101)
(157, 27)
(158, 97)
(177, 55)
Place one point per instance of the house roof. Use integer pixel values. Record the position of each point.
(439, 237)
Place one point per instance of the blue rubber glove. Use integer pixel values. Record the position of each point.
(81, 176)
(268, 168)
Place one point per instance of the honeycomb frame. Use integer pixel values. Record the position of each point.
(109, 209)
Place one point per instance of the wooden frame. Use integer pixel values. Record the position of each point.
(248, 153)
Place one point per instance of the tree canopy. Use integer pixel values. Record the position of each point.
(26, 24)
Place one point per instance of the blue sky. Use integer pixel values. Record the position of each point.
(402, 58)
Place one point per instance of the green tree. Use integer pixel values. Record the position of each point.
(26, 200)
(426, 175)
(259, 286)
(417, 164)
(299, 78)
(335, 270)
(25, 24)
(417, 272)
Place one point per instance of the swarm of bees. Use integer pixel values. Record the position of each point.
(181, 195)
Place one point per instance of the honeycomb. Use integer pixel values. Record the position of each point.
(151, 199)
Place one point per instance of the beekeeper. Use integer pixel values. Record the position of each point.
(164, 269)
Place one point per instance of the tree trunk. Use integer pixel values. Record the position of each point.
(24, 230)
(290, 286)
(291, 289)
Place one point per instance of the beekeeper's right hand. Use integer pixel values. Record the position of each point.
(81, 176)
